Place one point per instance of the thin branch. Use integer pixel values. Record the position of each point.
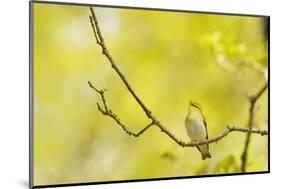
(100, 41)
(154, 121)
(252, 100)
(94, 30)
(257, 67)
(107, 112)
(105, 52)
(229, 129)
(222, 62)
(255, 97)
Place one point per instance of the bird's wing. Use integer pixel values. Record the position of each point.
(205, 124)
(199, 148)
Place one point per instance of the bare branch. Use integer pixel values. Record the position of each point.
(223, 63)
(154, 121)
(252, 100)
(94, 30)
(249, 130)
(107, 112)
(257, 67)
(101, 42)
(255, 97)
(105, 52)
(229, 129)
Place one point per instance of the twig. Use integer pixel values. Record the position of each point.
(107, 112)
(100, 41)
(223, 62)
(153, 120)
(252, 100)
(229, 67)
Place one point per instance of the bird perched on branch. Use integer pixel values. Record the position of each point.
(196, 128)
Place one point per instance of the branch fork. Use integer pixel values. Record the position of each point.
(153, 120)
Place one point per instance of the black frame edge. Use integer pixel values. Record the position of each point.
(31, 91)
(268, 51)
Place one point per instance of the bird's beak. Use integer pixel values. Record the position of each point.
(194, 104)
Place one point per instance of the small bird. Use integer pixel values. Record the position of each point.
(196, 128)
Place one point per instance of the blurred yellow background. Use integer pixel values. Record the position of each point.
(166, 57)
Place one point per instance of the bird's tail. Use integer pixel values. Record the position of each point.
(204, 150)
(205, 155)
